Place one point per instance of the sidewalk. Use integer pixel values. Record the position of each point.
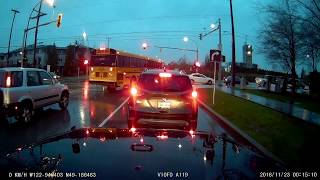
(287, 108)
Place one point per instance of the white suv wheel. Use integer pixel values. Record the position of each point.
(64, 100)
(25, 113)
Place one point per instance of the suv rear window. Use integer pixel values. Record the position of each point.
(154, 82)
(16, 78)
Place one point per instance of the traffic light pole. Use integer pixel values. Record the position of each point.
(14, 16)
(25, 39)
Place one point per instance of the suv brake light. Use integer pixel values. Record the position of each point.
(194, 94)
(8, 81)
(165, 75)
(133, 91)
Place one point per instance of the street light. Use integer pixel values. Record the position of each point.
(144, 45)
(185, 39)
(37, 17)
(84, 35)
(50, 2)
(212, 26)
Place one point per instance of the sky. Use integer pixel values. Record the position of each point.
(129, 23)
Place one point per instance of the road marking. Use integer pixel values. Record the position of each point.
(114, 112)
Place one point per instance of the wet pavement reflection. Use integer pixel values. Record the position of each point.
(89, 106)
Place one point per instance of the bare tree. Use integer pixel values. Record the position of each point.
(311, 30)
(281, 37)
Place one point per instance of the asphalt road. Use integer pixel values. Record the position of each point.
(90, 106)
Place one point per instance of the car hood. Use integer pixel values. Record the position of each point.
(139, 154)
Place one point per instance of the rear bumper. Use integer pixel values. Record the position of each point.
(108, 84)
(136, 115)
(164, 121)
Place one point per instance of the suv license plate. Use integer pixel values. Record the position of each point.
(164, 105)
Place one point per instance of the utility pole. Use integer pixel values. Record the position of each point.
(36, 36)
(233, 47)
(14, 16)
(220, 48)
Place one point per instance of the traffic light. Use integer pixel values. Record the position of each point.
(200, 36)
(59, 20)
(197, 64)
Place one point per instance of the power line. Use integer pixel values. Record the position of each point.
(187, 17)
(129, 34)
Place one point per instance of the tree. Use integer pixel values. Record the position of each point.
(303, 74)
(52, 57)
(311, 30)
(281, 37)
(181, 64)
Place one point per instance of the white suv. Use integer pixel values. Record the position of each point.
(22, 90)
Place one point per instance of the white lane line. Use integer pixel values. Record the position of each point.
(114, 112)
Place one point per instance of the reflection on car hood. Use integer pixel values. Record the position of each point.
(139, 154)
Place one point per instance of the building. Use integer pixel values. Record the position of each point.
(247, 52)
(79, 53)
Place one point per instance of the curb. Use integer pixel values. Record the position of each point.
(238, 132)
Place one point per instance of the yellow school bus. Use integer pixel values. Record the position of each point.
(117, 69)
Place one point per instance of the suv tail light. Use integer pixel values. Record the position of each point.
(133, 91)
(8, 81)
(165, 75)
(194, 94)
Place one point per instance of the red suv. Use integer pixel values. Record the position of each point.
(163, 98)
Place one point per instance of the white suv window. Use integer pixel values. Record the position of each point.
(45, 78)
(33, 78)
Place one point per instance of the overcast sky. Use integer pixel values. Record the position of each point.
(129, 23)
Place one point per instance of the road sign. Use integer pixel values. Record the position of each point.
(215, 55)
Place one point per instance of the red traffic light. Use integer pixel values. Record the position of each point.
(85, 62)
(197, 64)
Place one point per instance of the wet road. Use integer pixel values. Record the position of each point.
(90, 106)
